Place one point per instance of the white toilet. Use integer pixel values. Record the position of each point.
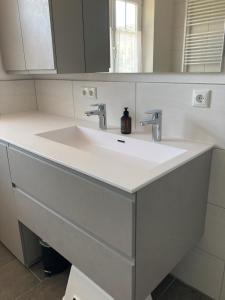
(80, 287)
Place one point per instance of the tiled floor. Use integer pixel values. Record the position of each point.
(173, 289)
(19, 283)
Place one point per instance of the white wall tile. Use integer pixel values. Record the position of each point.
(213, 240)
(55, 97)
(180, 119)
(203, 272)
(116, 96)
(17, 96)
(5, 76)
(217, 183)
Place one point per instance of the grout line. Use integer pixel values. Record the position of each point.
(221, 287)
(35, 91)
(35, 275)
(217, 205)
(138, 81)
(25, 293)
(210, 254)
(5, 265)
(167, 288)
(135, 105)
(73, 95)
(194, 289)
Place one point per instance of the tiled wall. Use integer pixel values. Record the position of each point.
(4, 76)
(204, 267)
(115, 95)
(181, 120)
(55, 97)
(17, 96)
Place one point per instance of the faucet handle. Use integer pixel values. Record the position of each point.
(155, 112)
(100, 106)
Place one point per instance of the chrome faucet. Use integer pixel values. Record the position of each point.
(101, 113)
(156, 122)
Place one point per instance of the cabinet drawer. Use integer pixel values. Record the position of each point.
(104, 212)
(104, 266)
(9, 229)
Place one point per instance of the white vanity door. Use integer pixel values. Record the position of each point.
(9, 227)
(11, 36)
(37, 34)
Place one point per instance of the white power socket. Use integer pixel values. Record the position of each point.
(90, 92)
(201, 98)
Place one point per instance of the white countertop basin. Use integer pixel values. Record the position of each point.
(125, 162)
(113, 146)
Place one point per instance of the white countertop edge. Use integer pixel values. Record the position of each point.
(195, 148)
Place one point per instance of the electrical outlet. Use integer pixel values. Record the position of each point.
(201, 98)
(90, 92)
(85, 92)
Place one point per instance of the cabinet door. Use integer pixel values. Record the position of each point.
(37, 34)
(96, 35)
(11, 36)
(9, 227)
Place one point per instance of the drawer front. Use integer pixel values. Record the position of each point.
(104, 266)
(9, 228)
(105, 213)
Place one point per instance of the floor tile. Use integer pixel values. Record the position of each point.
(37, 270)
(5, 255)
(162, 288)
(18, 283)
(179, 291)
(52, 288)
(15, 280)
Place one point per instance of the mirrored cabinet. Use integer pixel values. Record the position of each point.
(55, 36)
(167, 36)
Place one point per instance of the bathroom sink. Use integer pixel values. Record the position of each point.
(112, 145)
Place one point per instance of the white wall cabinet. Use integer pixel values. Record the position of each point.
(54, 36)
(11, 41)
(9, 226)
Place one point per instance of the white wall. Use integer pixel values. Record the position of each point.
(17, 96)
(4, 76)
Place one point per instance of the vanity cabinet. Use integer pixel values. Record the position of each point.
(55, 36)
(126, 243)
(9, 226)
(103, 212)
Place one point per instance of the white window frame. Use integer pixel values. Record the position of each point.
(113, 34)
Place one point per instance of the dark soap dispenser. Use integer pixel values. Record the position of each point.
(126, 122)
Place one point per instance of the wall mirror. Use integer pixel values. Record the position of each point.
(167, 36)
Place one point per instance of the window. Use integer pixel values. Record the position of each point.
(125, 36)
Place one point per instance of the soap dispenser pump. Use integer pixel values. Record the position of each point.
(126, 122)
